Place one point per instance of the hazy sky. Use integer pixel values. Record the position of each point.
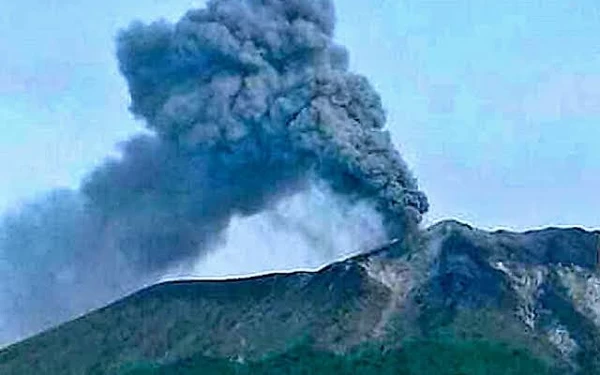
(495, 104)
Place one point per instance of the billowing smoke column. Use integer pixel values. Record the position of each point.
(248, 100)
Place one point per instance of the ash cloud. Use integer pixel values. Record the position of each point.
(247, 102)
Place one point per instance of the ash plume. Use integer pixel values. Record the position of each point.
(247, 102)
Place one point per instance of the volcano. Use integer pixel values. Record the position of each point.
(459, 301)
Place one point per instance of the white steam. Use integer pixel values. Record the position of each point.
(303, 232)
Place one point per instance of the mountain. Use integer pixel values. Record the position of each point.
(458, 301)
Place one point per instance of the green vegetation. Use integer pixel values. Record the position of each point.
(415, 358)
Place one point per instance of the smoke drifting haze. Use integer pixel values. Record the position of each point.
(253, 117)
(301, 232)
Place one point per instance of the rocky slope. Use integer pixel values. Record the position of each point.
(537, 292)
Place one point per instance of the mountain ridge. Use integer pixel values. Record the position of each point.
(538, 291)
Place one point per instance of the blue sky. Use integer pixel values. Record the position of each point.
(495, 104)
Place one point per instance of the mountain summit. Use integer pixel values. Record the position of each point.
(460, 299)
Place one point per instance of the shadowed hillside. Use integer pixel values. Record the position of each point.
(462, 297)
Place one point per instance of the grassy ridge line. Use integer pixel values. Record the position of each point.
(415, 358)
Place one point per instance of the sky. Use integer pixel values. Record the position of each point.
(495, 105)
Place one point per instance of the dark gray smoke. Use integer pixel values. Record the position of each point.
(247, 101)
